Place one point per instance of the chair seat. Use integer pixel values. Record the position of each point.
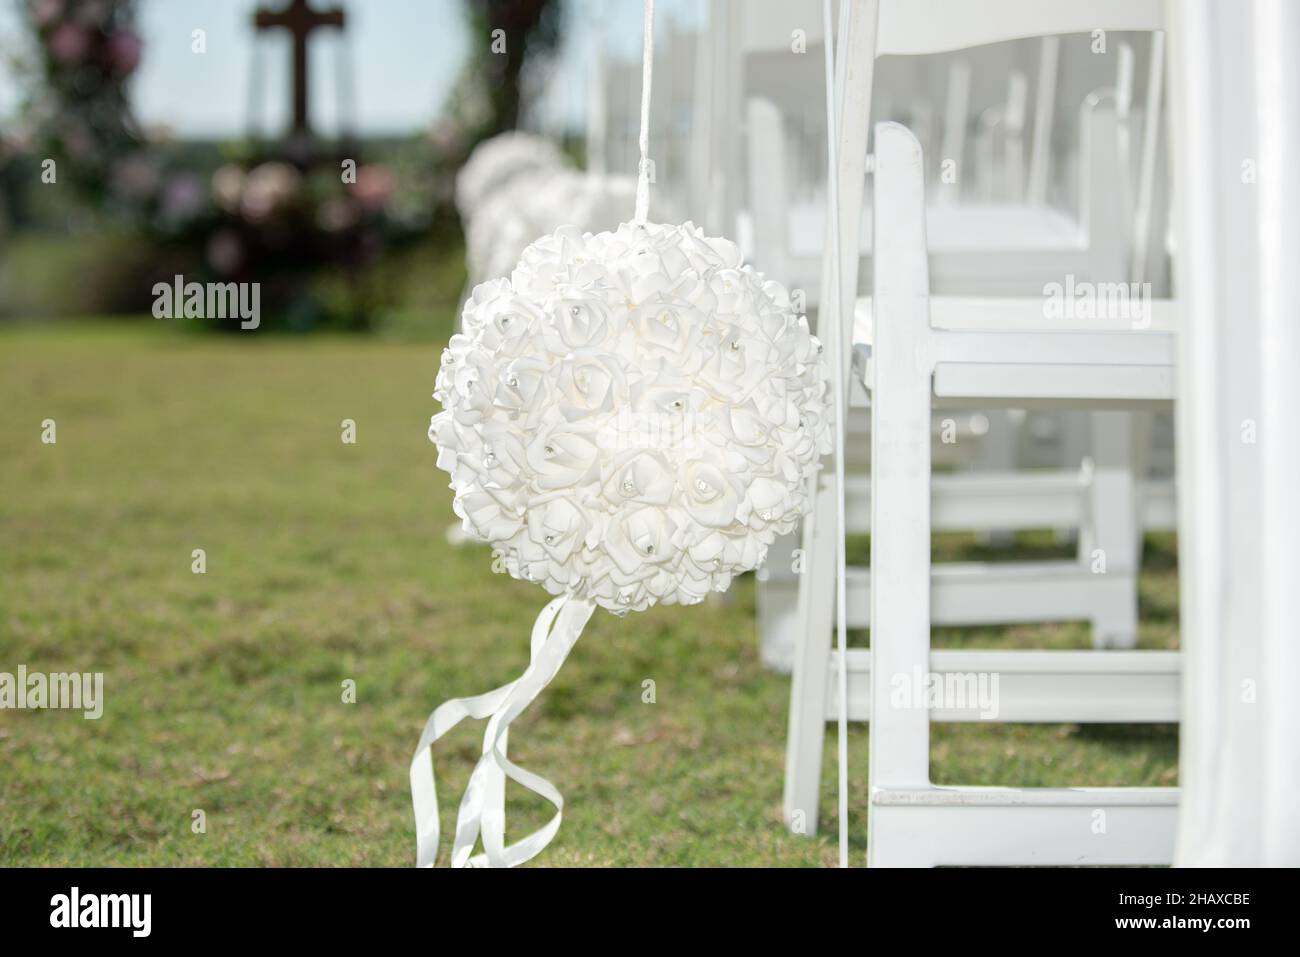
(957, 227)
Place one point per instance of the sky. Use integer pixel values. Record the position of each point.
(404, 56)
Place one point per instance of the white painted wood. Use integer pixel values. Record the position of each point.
(900, 453)
(956, 111)
(806, 734)
(989, 501)
(807, 730)
(990, 827)
(765, 157)
(982, 246)
(992, 501)
(906, 354)
(1145, 196)
(1060, 382)
(936, 26)
(1008, 593)
(1111, 541)
(1085, 687)
(1013, 148)
(962, 375)
(1044, 117)
(997, 593)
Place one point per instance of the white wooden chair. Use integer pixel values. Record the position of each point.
(1099, 495)
(1007, 247)
(981, 351)
(1002, 246)
(921, 351)
(1108, 502)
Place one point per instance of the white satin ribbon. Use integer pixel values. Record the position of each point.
(482, 808)
(835, 312)
(643, 140)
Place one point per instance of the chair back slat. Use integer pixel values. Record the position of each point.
(912, 27)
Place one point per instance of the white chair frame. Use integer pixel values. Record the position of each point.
(919, 356)
(1062, 367)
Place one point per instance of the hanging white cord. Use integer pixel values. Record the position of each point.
(835, 314)
(647, 73)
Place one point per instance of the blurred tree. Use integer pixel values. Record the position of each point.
(528, 28)
(79, 115)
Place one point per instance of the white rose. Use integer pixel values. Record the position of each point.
(563, 455)
(558, 526)
(640, 537)
(644, 477)
(587, 383)
(711, 497)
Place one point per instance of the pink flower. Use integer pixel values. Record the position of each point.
(373, 187)
(225, 252)
(336, 215)
(136, 177)
(183, 197)
(268, 189)
(124, 51)
(45, 12)
(69, 43)
(228, 187)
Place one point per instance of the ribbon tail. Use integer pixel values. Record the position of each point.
(482, 808)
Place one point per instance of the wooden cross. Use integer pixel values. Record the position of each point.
(301, 20)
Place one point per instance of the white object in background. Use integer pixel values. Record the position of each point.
(537, 203)
(496, 161)
(992, 247)
(912, 360)
(956, 113)
(928, 27)
(597, 106)
(1044, 114)
(1144, 197)
(1235, 83)
(1053, 591)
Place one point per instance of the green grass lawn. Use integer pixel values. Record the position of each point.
(328, 562)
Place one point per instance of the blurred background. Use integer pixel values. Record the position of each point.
(177, 148)
(203, 525)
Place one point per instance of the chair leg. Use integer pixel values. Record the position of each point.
(807, 732)
(778, 605)
(806, 736)
(900, 480)
(1112, 545)
(997, 451)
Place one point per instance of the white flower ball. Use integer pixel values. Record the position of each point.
(496, 161)
(633, 416)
